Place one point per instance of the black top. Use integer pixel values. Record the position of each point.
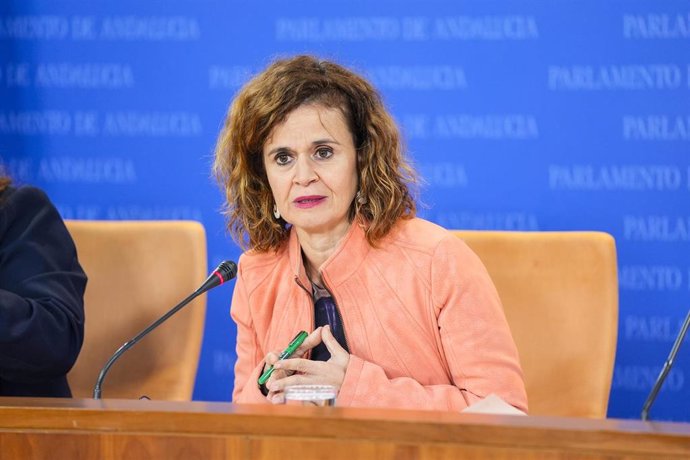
(41, 296)
(326, 313)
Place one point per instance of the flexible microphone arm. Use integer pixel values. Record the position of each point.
(665, 370)
(224, 272)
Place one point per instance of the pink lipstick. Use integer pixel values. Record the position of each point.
(306, 202)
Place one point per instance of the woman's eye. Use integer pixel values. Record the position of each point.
(324, 153)
(282, 158)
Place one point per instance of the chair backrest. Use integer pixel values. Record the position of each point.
(560, 295)
(137, 271)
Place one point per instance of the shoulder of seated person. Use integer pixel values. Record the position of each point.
(417, 232)
(257, 266)
(27, 195)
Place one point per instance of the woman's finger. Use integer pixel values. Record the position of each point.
(279, 386)
(310, 342)
(271, 358)
(300, 365)
(338, 354)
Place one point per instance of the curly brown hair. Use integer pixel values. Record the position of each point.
(384, 174)
(5, 180)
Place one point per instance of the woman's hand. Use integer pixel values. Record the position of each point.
(271, 359)
(298, 371)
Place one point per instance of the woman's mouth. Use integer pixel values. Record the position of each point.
(305, 202)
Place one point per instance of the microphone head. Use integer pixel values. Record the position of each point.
(227, 270)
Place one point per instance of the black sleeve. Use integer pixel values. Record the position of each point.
(41, 289)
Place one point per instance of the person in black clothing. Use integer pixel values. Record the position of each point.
(41, 295)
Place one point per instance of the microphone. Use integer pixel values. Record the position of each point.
(225, 271)
(665, 370)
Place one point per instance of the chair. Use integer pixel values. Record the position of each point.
(137, 271)
(560, 295)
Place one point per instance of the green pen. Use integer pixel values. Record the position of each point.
(296, 342)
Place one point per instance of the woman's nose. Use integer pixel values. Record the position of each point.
(304, 171)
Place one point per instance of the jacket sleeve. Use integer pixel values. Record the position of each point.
(41, 290)
(249, 362)
(479, 350)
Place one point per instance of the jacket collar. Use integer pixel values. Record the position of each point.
(341, 265)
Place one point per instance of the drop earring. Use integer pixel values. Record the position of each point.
(276, 213)
(361, 199)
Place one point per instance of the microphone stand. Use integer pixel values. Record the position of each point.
(665, 370)
(131, 343)
(225, 271)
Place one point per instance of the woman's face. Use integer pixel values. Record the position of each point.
(311, 164)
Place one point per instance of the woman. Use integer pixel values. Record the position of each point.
(41, 295)
(402, 313)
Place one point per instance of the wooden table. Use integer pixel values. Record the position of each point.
(33, 428)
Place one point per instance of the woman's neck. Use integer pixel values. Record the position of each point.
(316, 249)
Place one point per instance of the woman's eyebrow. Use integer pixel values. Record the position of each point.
(325, 141)
(277, 150)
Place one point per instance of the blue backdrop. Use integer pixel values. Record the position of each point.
(520, 115)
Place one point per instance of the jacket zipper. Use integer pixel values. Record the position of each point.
(311, 310)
